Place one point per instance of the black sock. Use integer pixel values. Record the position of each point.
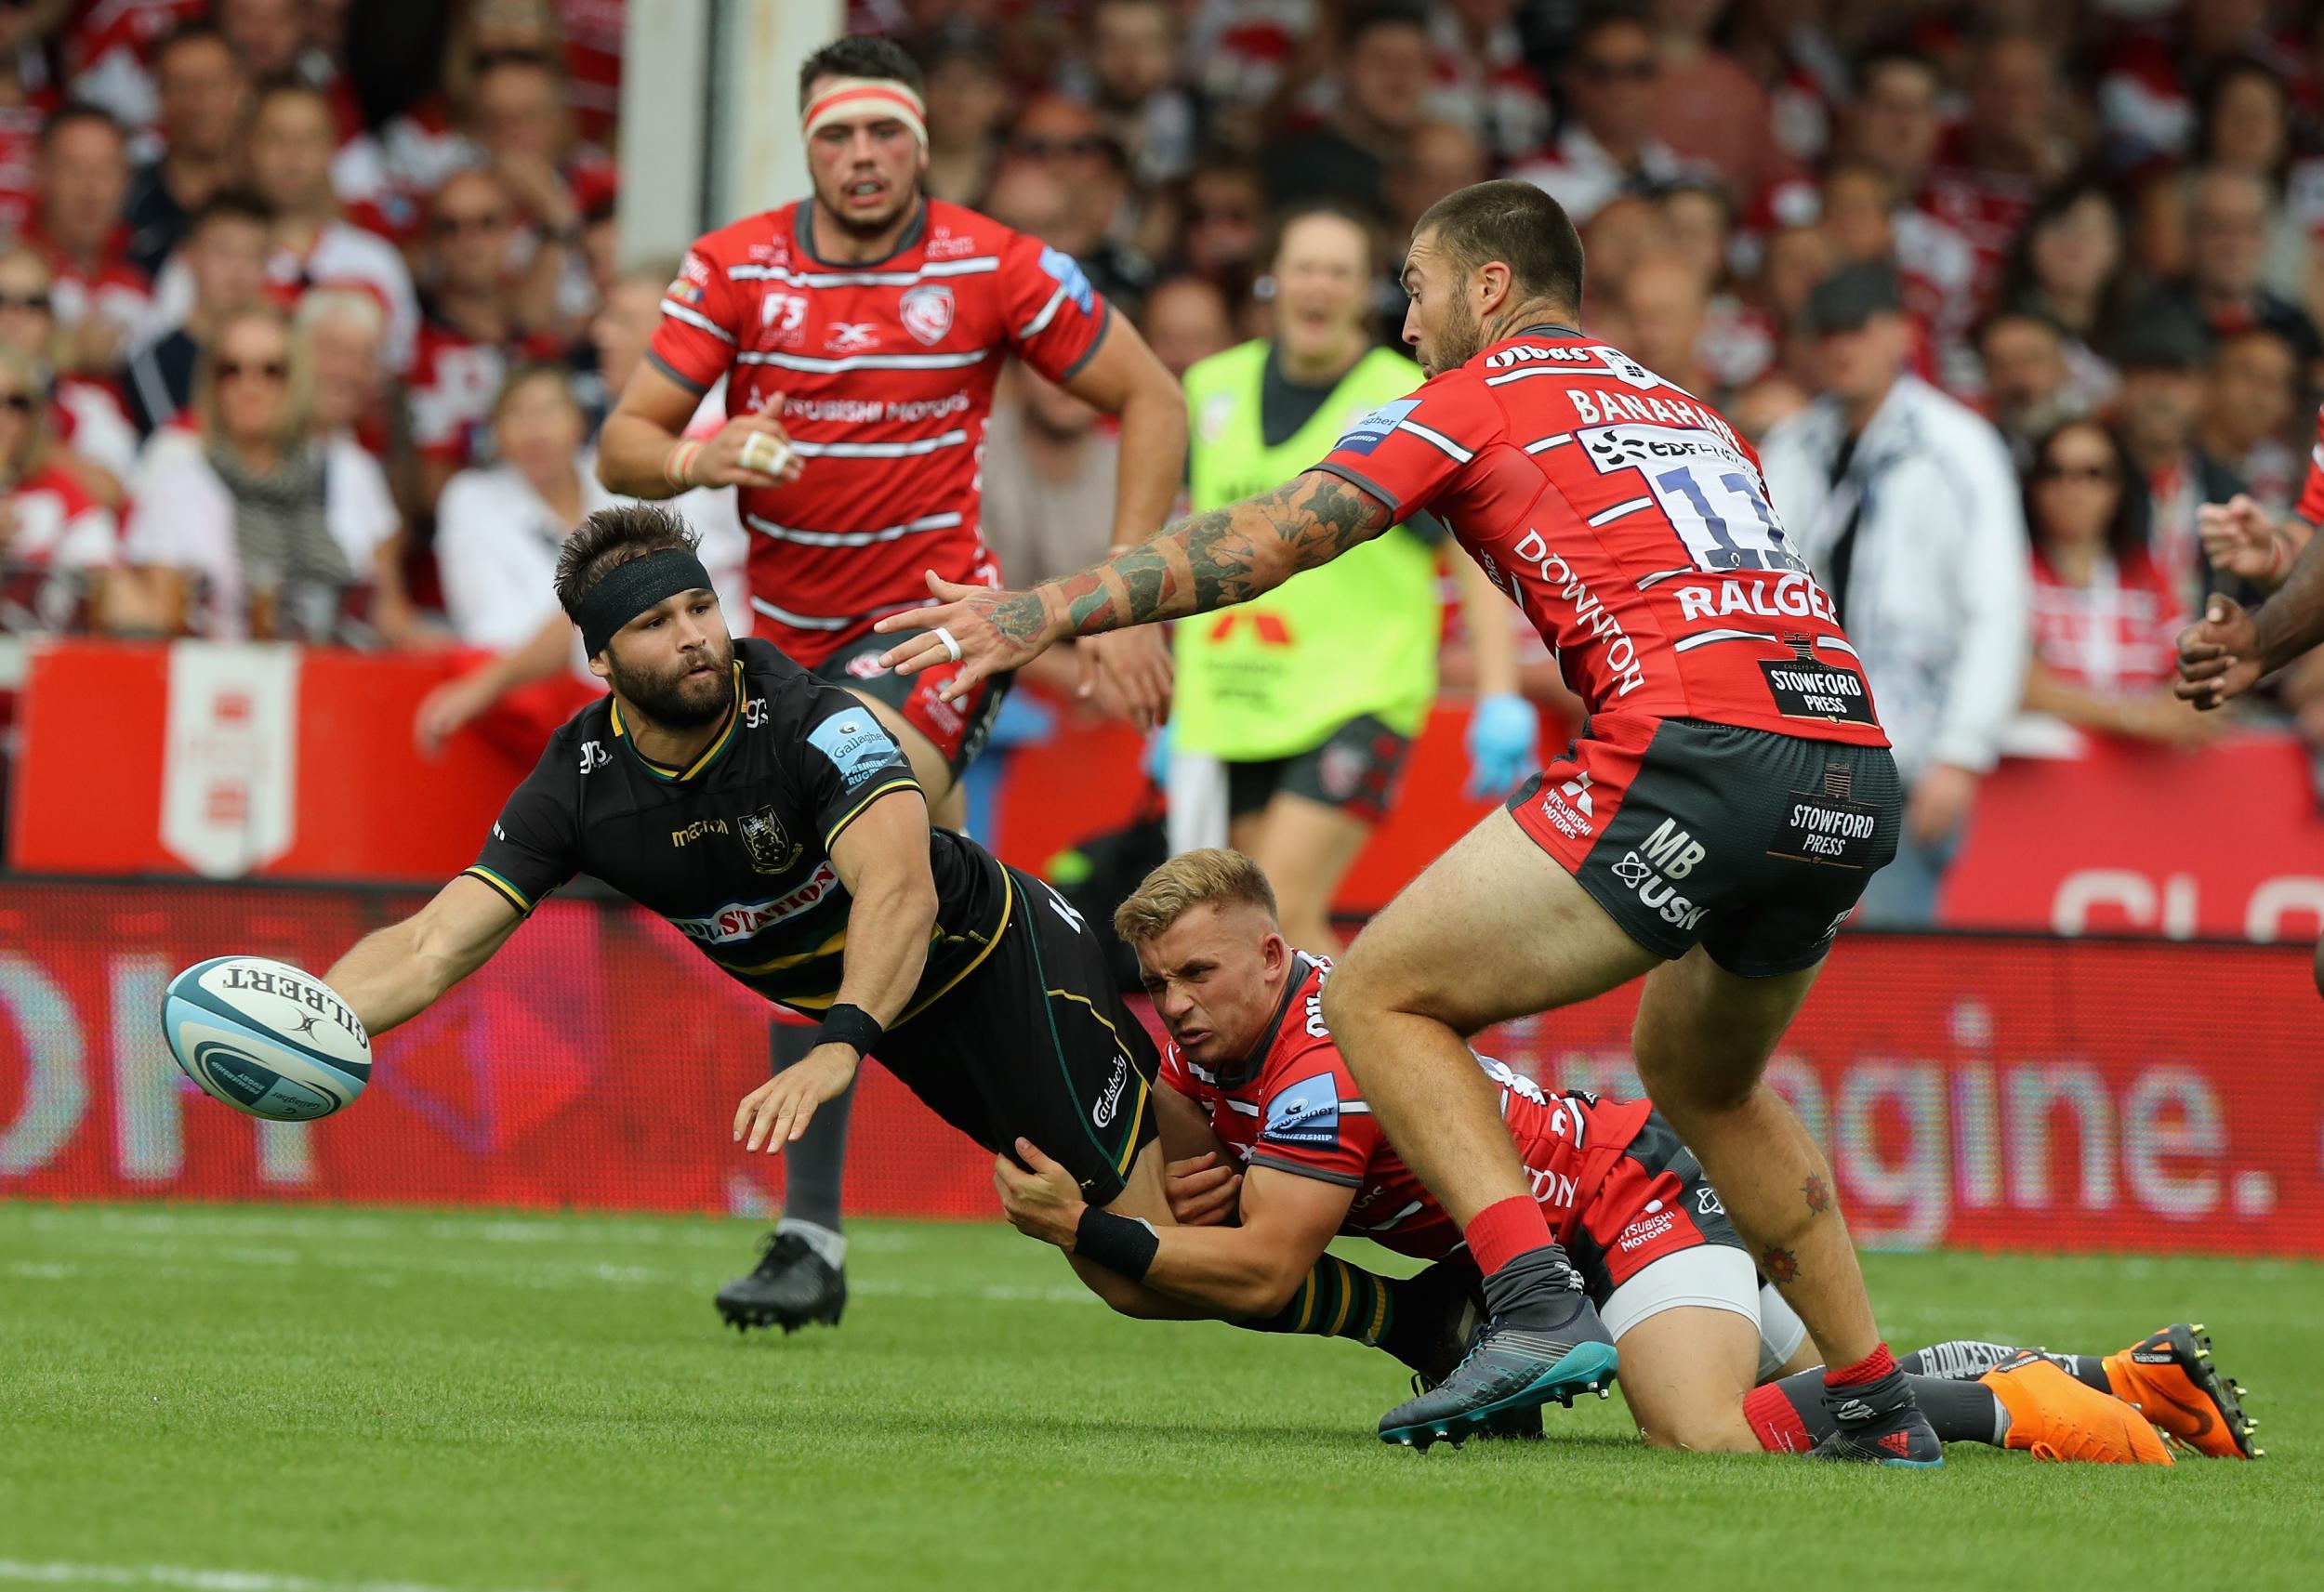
(1962, 1360)
(1965, 1359)
(1961, 1411)
(810, 1181)
(1340, 1300)
(1539, 1283)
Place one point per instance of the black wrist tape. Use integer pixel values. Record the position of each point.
(850, 1025)
(1118, 1244)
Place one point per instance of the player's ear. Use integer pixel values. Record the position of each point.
(1491, 287)
(600, 667)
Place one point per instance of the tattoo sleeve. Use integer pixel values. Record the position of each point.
(1221, 558)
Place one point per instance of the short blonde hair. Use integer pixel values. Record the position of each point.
(1186, 881)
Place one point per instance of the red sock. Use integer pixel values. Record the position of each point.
(1506, 1228)
(1871, 1368)
(1774, 1422)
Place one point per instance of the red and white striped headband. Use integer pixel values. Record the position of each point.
(874, 96)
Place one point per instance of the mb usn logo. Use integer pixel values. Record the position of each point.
(1671, 853)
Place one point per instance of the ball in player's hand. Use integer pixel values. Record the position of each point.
(266, 1038)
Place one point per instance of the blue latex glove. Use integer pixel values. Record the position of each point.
(1501, 735)
(1156, 760)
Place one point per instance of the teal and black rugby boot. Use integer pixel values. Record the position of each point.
(1515, 1362)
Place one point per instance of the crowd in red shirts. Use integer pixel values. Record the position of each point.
(270, 269)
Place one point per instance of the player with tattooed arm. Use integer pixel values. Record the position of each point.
(1710, 831)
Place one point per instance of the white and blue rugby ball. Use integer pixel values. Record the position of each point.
(266, 1037)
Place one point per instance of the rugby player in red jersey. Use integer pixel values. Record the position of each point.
(859, 332)
(2227, 652)
(1270, 1130)
(1711, 829)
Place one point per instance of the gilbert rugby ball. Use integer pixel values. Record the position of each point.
(266, 1037)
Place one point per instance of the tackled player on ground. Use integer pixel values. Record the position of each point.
(1274, 1152)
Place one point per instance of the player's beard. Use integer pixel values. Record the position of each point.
(866, 227)
(674, 698)
(1457, 339)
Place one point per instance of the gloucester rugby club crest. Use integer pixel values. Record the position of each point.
(771, 852)
(927, 312)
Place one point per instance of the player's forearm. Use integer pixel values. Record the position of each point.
(1207, 562)
(2292, 620)
(888, 930)
(1153, 459)
(390, 977)
(1234, 1272)
(632, 456)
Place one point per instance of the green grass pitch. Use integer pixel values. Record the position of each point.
(307, 1400)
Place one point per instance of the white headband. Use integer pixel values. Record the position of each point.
(855, 96)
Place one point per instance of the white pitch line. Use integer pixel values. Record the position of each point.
(58, 1574)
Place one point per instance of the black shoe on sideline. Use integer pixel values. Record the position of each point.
(791, 1287)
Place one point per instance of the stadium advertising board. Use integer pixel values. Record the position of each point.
(2004, 1093)
(232, 762)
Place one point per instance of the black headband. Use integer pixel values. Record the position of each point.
(631, 588)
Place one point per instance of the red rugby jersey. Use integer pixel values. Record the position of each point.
(887, 370)
(1633, 526)
(2311, 504)
(1292, 1106)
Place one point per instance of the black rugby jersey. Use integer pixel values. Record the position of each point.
(735, 849)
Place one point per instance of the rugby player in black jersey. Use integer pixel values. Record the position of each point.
(773, 820)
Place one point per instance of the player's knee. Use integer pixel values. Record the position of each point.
(1702, 1431)
(1689, 1087)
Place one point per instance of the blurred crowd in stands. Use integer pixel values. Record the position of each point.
(308, 307)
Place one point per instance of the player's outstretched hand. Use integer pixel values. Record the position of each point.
(1135, 665)
(724, 461)
(1043, 1204)
(778, 1110)
(2239, 539)
(1202, 1191)
(2219, 654)
(986, 632)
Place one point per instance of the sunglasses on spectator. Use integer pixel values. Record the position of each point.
(483, 222)
(1049, 149)
(2105, 474)
(1638, 69)
(513, 56)
(25, 301)
(269, 370)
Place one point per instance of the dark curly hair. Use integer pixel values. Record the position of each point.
(611, 538)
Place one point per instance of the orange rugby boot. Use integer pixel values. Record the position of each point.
(2172, 1379)
(2056, 1418)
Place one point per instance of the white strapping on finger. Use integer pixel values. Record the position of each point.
(952, 647)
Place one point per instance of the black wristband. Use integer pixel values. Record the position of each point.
(850, 1026)
(1118, 1244)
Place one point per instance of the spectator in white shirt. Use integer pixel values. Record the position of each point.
(1905, 503)
(277, 525)
(498, 530)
